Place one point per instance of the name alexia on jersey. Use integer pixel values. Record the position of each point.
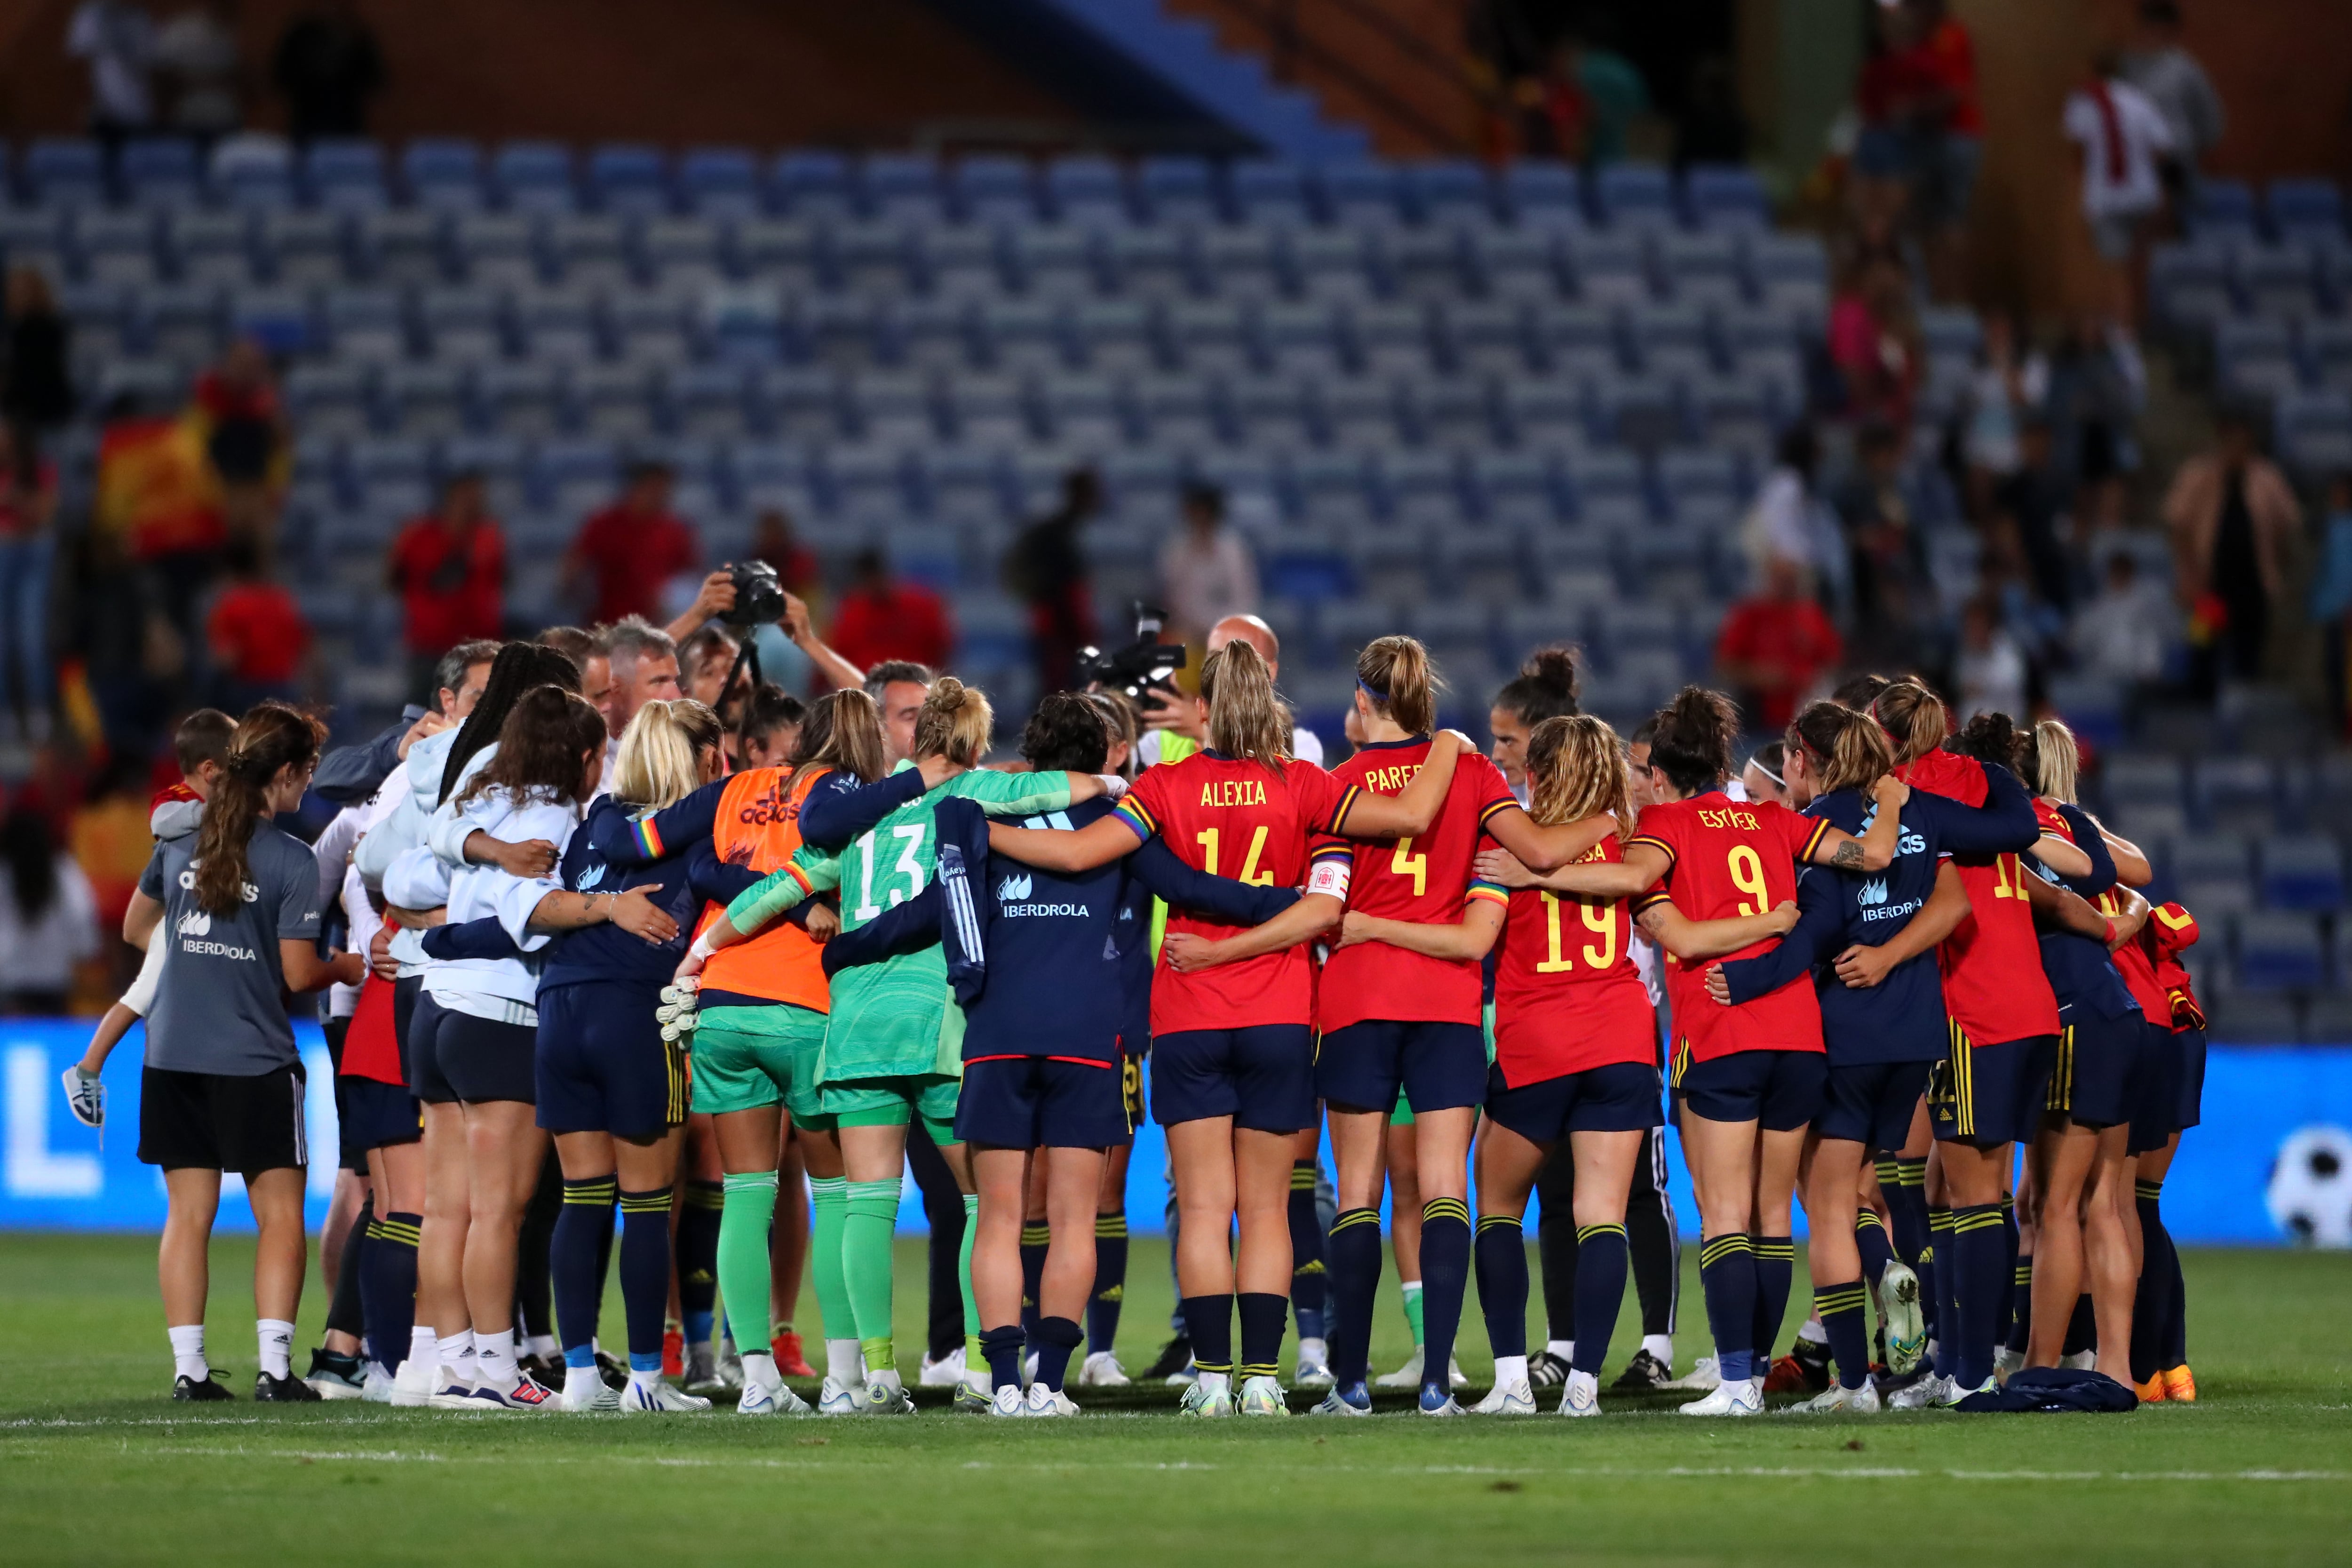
(1233, 791)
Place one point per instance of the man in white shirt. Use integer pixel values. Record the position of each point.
(1206, 571)
(2175, 83)
(2124, 139)
(1187, 717)
(118, 40)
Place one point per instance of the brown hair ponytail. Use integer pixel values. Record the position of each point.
(1246, 720)
(843, 730)
(266, 741)
(1576, 768)
(544, 744)
(1914, 718)
(1691, 743)
(1847, 749)
(1400, 682)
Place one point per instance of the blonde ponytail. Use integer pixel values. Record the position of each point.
(661, 751)
(956, 723)
(1397, 675)
(1246, 720)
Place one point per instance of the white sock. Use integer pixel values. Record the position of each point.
(842, 1363)
(645, 1379)
(276, 1337)
(1564, 1348)
(1311, 1348)
(760, 1367)
(1510, 1369)
(1661, 1346)
(1211, 1382)
(1813, 1333)
(422, 1348)
(887, 1376)
(1589, 1382)
(495, 1354)
(582, 1379)
(456, 1352)
(188, 1352)
(543, 1346)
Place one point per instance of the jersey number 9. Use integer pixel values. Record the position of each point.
(1747, 876)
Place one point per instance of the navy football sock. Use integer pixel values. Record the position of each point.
(1263, 1317)
(1726, 1274)
(1209, 1321)
(1556, 1241)
(1034, 1240)
(388, 1288)
(534, 1284)
(1655, 1246)
(698, 1258)
(1870, 1240)
(1002, 1349)
(1309, 1276)
(345, 1313)
(1840, 1308)
(1110, 1281)
(1981, 1248)
(581, 1225)
(1355, 1260)
(2082, 1328)
(2160, 1276)
(2020, 1305)
(1445, 1277)
(1776, 1273)
(1947, 1311)
(644, 1272)
(2172, 1349)
(1501, 1249)
(1601, 1264)
(1056, 1338)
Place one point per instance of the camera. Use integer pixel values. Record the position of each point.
(1142, 665)
(758, 595)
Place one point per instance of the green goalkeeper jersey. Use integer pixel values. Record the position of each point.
(894, 1018)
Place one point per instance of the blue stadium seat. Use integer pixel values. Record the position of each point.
(676, 254)
(1082, 412)
(903, 185)
(116, 247)
(2280, 952)
(934, 334)
(497, 251)
(257, 175)
(614, 401)
(65, 171)
(36, 237)
(2279, 282)
(1177, 413)
(1671, 341)
(994, 188)
(305, 249)
(1337, 266)
(990, 412)
(444, 173)
(1366, 195)
(2240, 792)
(211, 248)
(1578, 340)
(329, 400)
(809, 185)
(720, 182)
(1421, 488)
(1725, 196)
(783, 255)
(523, 401)
(367, 324)
(1541, 195)
(1054, 261)
(160, 171)
(345, 175)
(100, 312)
(279, 319)
(1514, 489)
(1298, 340)
(2190, 285)
(2224, 208)
(2301, 871)
(1482, 339)
(2313, 431)
(1423, 263)
(2305, 211)
(2327, 349)
(650, 328)
(402, 248)
(1150, 263)
(629, 178)
(1206, 336)
(1612, 268)
(1363, 414)
(1703, 269)
(1639, 195)
(2256, 358)
(1177, 190)
(1515, 264)
(1113, 336)
(423, 400)
(535, 177)
(962, 263)
(1022, 337)
(1451, 193)
(1789, 273)
(1270, 194)
(461, 324)
(1236, 264)
(1544, 415)
(588, 251)
(1087, 189)
(1390, 339)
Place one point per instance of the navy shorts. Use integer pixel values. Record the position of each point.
(1263, 1076)
(455, 1056)
(376, 1115)
(2189, 1079)
(351, 1156)
(600, 1065)
(1871, 1103)
(1985, 1096)
(1781, 1089)
(1044, 1102)
(407, 995)
(1439, 1067)
(2095, 1082)
(1621, 1097)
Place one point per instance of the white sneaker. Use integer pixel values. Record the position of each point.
(1837, 1396)
(378, 1388)
(1729, 1399)
(451, 1392)
(1516, 1398)
(526, 1394)
(585, 1392)
(2008, 1364)
(1579, 1395)
(1261, 1396)
(1447, 1406)
(1928, 1391)
(1201, 1401)
(887, 1398)
(1954, 1392)
(839, 1399)
(85, 1096)
(1337, 1403)
(1008, 1402)
(944, 1373)
(1703, 1377)
(1900, 1314)
(1101, 1370)
(1314, 1368)
(765, 1399)
(413, 1384)
(972, 1390)
(1045, 1401)
(2081, 1360)
(702, 1372)
(1406, 1376)
(651, 1396)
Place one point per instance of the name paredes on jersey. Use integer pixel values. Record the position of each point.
(1391, 780)
(1012, 901)
(1233, 791)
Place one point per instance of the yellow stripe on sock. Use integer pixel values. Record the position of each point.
(1585, 1232)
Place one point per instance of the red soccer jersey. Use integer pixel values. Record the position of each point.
(2170, 930)
(1727, 858)
(1567, 996)
(1425, 879)
(371, 1046)
(1994, 987)
(1246, 821)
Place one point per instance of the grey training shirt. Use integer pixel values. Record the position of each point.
(219, 1007)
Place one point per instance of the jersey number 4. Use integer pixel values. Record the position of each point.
(1207, 839)
(1599, 917)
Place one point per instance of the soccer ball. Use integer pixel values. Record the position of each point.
(2310, 1193)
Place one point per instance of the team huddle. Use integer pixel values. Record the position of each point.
(686, 971)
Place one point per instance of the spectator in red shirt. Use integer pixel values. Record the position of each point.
(449, 568)
(245, 432)
(881, 620)
(627, 555)
(1775, 645)
(260, 643)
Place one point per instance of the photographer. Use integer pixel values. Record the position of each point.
(1186, 717)
(789, 651)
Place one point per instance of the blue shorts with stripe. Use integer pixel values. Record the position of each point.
(2101, 1061)
(601, 1065)
(1872, 1104)
(1985, 1096)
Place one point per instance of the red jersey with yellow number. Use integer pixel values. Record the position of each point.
(1994, 987)
(1726, 858)
(2138, 970)
(1425, 880)
(1567, 996)
(2170, 930)
(1251, 821)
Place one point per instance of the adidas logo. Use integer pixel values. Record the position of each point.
(1013, 890)
(1872, 892)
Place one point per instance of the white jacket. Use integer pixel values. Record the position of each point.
(503, 988)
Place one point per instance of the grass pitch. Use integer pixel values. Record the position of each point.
(97, 1466)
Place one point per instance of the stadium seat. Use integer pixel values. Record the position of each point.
(1543, 195)
(2256, 358)
(1612, 268)
(1725, 196)
(1423, 263)
(957, 263)
(65, 171)
(256, 173)
(588, 251)
(496, 250)
(2280, 952)
(1113, 336)
(160, 171)
(811, 185)
(629, 179)
(778, 254)
(1791, 273)
(1332, 265)
(902, 185)
(2189, 287)
(2304, 872)
(1636, 195)
(443, 174)
(720, 182)
(1087, 189)
(534, 177)
(1236, 264)
(1370, 195)
(461, 324)
(2237, 793)
(423, 400)
(1451, 193)
(1053, 262)
(181, 322)
(2313, 431)
(2223, 210)
(365, 324)
(210, 247)
(1703, 270)
(1151, 264)
(1388, 340)
(2280, 282)
(2305, 211)
(304, 250)
(116, 247)
(1270, 194)
(1177, 190)
(1515, 264)
(1022, 337)
(402, 248)
(345, 175)
(993, 188)
(525, 401)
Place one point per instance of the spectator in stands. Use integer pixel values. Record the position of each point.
(1947, 177)
(2177, 84)
(116, 39)
(28, 502)
(882, 620)
(1611, 87)
(1775, 645)
(36, 386)
(245, 434)
(261, 642)
(2124, 141)
(2232, 517)
(2331, 598)
(1897, 98)
(1991, 674)
(2035, 498)
(2009, 379)
(119, 625)
(2122, 634)
(2098, 386)
(1873, 342)
(1888, 558)
(776, 542)
(627, 555)
(1047, 569)
(1788, 521)
(197, 51)
(1206, 571)
(449, 568)
(1712, 127)
(48, 917)
(328, 66)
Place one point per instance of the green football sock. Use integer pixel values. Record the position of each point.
(973, 1355)
(751, 1208)
(829, 1196)
(1412, 1289)
(865, 1237)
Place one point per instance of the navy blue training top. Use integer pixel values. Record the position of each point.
(1902, 1018)
(2081, 969)
(688, 878)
